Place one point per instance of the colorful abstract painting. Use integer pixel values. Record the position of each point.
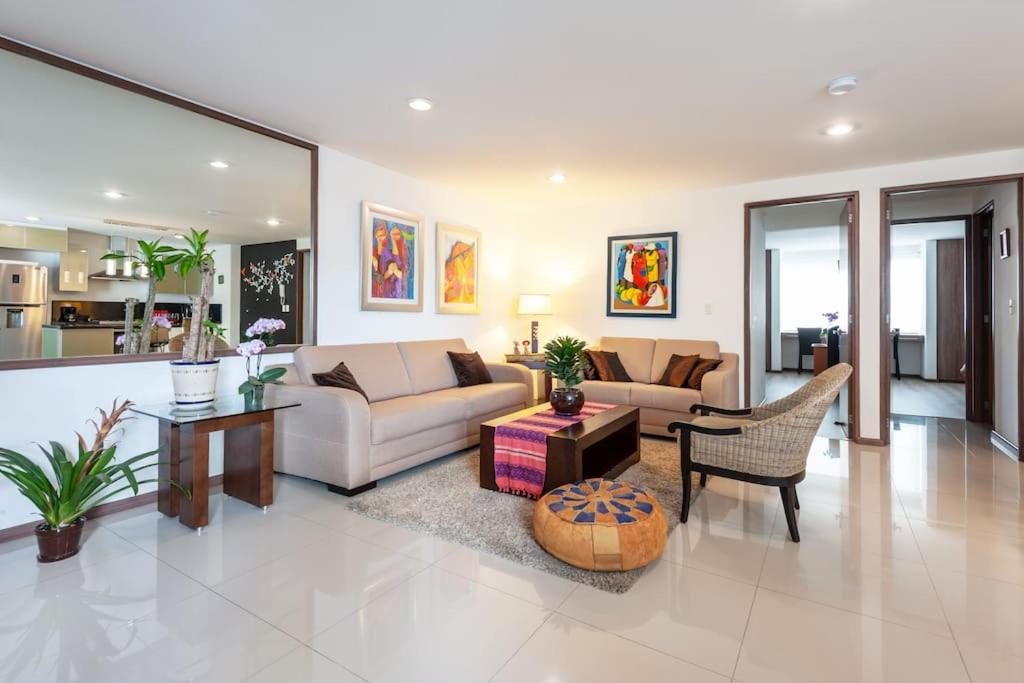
(392, 278)
(458, 269)
(642, 275)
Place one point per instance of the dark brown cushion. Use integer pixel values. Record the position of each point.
(340, 377)
(589, 371)
(608, 366)
(703, 367)
(678, 370)
(469, 369)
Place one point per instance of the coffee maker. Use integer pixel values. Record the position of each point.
(68, 314)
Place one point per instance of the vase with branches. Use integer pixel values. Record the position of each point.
(195, 375)
(153, 259)
(76, 483)
(563, 359)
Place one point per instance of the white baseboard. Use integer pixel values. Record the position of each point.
(1004, 444)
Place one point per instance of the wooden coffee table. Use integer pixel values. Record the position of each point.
(604, 445)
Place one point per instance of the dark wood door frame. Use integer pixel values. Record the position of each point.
(885, 197)
(853, 246)
(980, 387)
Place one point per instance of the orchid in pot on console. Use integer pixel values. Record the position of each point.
(261, 336)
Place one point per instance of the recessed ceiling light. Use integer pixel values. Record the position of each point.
(217, 163)
(839, 129)
(32, 218)
(179, 236)
(421, 104)
(842, 85)
(557, 177)
(113, 194)
(214, 212)
(273, 222)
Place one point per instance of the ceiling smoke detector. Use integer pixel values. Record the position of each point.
(842, 85)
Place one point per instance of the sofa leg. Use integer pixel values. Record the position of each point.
(796, 499)
(703, 479)
(789, 506)
(687, 484)
(351, 492)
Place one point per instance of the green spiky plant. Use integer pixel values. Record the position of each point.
(202, 336)
(75, 486)
(156, 258)
(563, 358)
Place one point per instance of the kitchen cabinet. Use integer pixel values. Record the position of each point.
(74, 271)
(174, 283)
(71, 342)
(38, 239)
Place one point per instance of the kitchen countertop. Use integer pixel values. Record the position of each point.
(85, 326)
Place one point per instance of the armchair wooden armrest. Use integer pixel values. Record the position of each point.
(688, 428)
(706, 410)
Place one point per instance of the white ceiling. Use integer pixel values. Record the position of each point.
(66, 139)
(627, 98)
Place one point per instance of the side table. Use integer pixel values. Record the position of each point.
(185, 454)
(534, 361)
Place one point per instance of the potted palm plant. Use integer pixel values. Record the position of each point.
(153, 259)
(195, 375)
(76, 485)
(563, 358)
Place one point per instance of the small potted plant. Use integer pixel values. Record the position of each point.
(75, 486)
(260, 336)
(195, 375)
(830, 324)
(563, 358)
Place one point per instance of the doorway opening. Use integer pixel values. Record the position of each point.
(951, 266)
(800, 304)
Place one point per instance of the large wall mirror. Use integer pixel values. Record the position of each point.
(91, 166)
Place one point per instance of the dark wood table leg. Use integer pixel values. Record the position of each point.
(168, 469)
(249, 462)
(487, 458)
(195, 476)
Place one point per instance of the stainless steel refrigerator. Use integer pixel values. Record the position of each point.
(22, 309)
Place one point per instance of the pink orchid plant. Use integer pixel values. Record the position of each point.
(260, 336)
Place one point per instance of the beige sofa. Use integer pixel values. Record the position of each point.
(645, 361)
(416, 411)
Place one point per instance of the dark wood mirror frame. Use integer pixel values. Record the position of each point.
(139, 89)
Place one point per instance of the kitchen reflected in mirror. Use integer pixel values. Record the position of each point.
(90, 169)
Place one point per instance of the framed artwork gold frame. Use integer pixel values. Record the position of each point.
(458, 269)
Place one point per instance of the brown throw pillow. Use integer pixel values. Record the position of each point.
(469, 369)
(678, 370)
(608, 366)
(340, 377)
(703, 367)
(589, 371)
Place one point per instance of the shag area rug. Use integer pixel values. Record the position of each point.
(444, 499)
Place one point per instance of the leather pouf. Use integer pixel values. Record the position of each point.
(600, 524)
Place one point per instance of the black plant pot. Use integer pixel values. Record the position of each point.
(567, 401)
(59, 544)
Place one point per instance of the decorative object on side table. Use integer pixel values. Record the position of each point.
(830, 324)
(458, 269)
(392, 260)
(260, 335)
(195, 375)
(563, 358)
(534, 305)
(642, 275)
(152, 262)
(78, 485)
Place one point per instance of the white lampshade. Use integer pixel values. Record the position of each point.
(534, 304)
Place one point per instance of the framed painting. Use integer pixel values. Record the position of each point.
(642, 275)
(458, 269)
(392, 260)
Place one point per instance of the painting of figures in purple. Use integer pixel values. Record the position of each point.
(392, 260)
(642, 275)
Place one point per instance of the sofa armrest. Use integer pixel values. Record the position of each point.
(327, 438)
(512, 372)
(721, 387)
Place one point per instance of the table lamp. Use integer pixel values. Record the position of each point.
(534, 305)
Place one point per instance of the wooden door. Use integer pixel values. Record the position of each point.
(951, 347)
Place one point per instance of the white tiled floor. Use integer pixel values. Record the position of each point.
(911, 567)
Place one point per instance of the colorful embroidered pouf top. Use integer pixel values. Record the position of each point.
(601, 525)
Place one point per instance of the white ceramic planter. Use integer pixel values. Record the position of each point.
(194, 383)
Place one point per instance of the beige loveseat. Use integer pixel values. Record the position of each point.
(645, 361)
(416, 410)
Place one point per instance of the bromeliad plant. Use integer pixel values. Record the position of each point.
(75, 485)
(563, 358)
(261, 336)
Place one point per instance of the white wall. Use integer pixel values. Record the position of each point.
(710, 225)
(775, 325)
(1004, 307)
(758, 305)
(344, 183)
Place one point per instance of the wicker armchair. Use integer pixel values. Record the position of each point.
(766, 445)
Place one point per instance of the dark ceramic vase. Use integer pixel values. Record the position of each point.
(567, 401)
(59, 544)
